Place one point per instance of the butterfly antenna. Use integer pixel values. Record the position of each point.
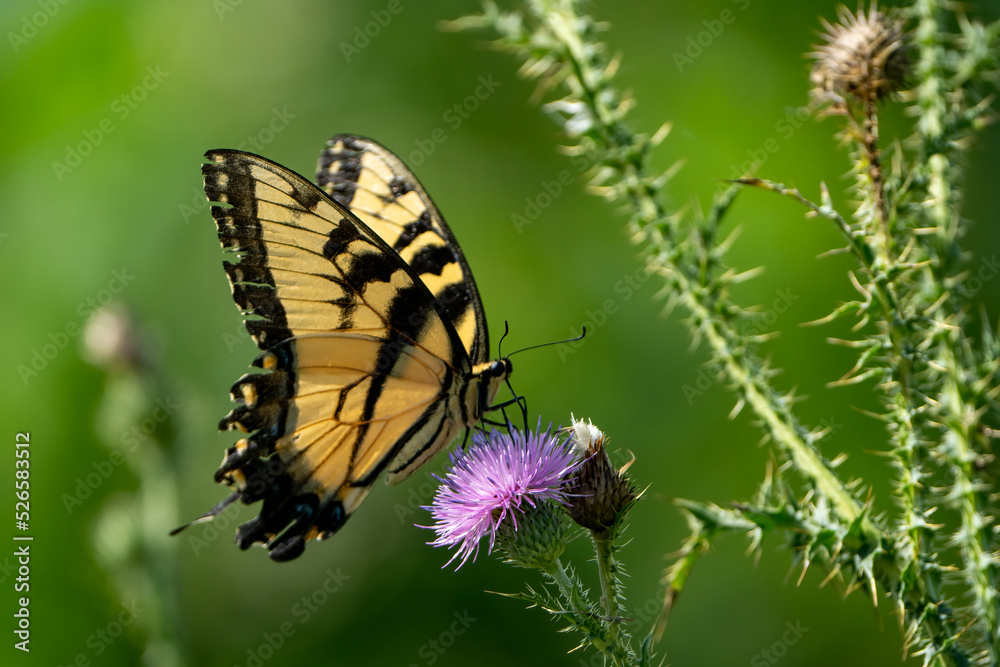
(521, 401)
(555, 342)
(506, 330)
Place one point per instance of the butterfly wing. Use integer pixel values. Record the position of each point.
(374, 184)
(362, 375)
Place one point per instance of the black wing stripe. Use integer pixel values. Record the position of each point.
(432, 259)
(342, 167)
(396, 465)
(406, 319)
(412, 230)
(400, 186)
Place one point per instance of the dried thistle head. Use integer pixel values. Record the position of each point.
(863, 58)
(599, 495)
(113, 339)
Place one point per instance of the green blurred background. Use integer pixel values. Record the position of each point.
(230, 70)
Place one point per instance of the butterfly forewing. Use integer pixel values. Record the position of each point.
(376, 186)
(364, 372)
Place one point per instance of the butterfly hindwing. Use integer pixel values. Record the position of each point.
(364, 372)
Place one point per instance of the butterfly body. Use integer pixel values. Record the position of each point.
(373, 337)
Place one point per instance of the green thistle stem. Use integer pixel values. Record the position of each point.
(598, 634)
(911, 456)
(910, 453)
(932, 122)
(868, 143)
(607, 569)
(971, 496)
(778, 419)
(961, 416)
(919, 584)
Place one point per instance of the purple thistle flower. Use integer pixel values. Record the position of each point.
(499, 476)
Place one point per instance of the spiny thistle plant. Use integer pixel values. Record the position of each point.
(918, 342)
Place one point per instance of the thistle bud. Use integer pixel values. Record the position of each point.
(863, 57)
(599, 495)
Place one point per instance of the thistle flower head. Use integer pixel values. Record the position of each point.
(863, 57)
(599, 495)
(496, 481)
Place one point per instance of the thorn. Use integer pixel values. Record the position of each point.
(747, 275)
(846, 381)
(858, 286)
(661, 134)
(805, 568)
(834, 572)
